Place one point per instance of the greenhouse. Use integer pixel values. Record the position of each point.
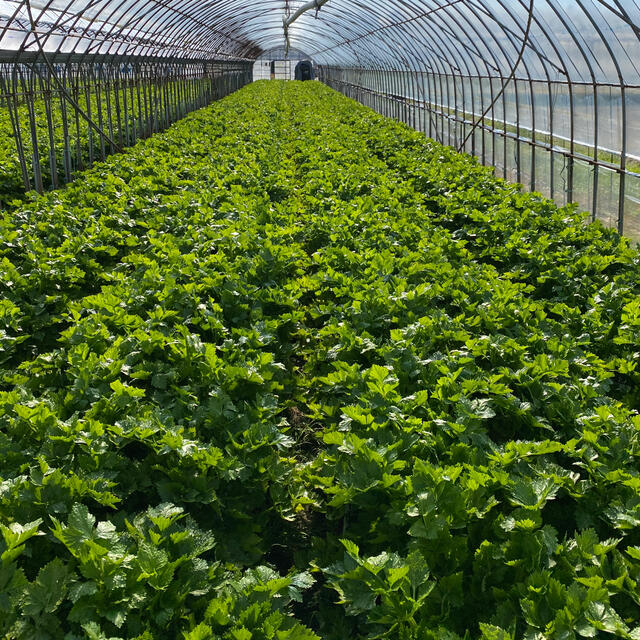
(319, 319)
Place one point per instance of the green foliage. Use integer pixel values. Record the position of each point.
(125, 120)
(290, 370)
(390, 591)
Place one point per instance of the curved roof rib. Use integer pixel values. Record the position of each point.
(569, 40)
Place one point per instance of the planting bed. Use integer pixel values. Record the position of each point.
(290, 370)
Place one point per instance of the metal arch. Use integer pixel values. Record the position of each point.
(336, 28)
(160, 29)
(568, 158)
(397, 59)
(143, 25)
(401, 61)
(376, 50)
(543, 61)
(393, 25)
(373, 52)
(456, 70)
(66, 15)
(149, 23)
(379, 48)
(233, 18)
(497, 47)
(62, 88)
(441, 21)
(82, 31)
(143, 18)
(624, 16)
(479, 36)
(513, 38)
(410, 65)
(216, 17)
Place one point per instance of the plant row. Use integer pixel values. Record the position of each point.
(66, 142)
(290, 370)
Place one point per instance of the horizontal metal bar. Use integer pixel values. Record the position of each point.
(500, 132)
(464, 76)
(29, 57)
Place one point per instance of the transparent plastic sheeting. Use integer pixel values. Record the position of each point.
(579, 40)
(557, 80)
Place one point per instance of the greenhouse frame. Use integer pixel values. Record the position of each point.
(546, 92)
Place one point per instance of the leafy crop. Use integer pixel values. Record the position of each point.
(290, 370)
(127, 113)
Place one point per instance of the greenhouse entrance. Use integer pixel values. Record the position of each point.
(279, 64)
(304, 70)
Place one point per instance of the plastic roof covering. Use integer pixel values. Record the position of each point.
(568, 40)
(280, 53)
